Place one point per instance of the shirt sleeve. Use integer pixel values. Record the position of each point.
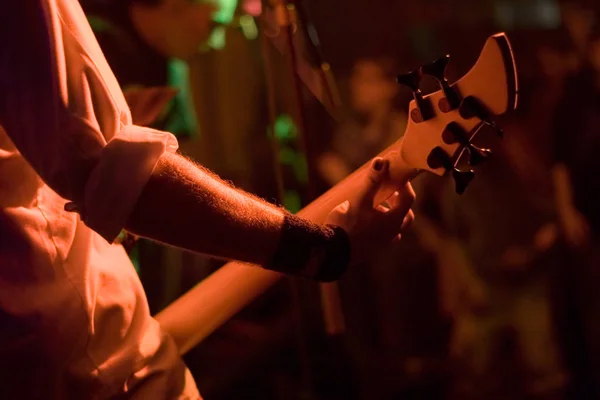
(57, 109)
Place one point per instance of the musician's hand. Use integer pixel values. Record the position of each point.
(373, 228)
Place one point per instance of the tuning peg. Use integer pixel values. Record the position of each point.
(477, 155)
(438, 158)
(412, 80)
(495, 127)
(455, 133)
(437, 69)
(462, 179)
(471, 107)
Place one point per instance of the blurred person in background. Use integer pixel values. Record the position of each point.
(576, 139)
(578, 19)
(373, 124)
(395, 334)
(502, 236)
(146, 43)
(577, 142)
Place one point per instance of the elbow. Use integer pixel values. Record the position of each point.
(62, 149)
(116, 181)
(71, 178)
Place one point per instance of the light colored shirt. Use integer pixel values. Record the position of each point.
(74, 319)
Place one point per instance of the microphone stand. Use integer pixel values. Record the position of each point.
(330, 299)
(288, 20)
(283, 25)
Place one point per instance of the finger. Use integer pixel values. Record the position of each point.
(375, 177)
(392, 202)
(408, 220)
(393, 220)
(339, 215)
(397, 238)
(382, 208)
(389, 203)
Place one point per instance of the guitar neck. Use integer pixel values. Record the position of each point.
(203, 309)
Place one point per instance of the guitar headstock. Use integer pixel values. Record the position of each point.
(442, 125)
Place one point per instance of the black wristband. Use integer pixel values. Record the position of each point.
(320, 252)
(337, 258)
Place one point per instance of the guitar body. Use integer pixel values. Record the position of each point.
(492, 81)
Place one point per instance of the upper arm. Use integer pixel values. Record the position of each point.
(67, 116)
(61, 145)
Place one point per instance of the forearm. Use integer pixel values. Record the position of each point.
(186, 206)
